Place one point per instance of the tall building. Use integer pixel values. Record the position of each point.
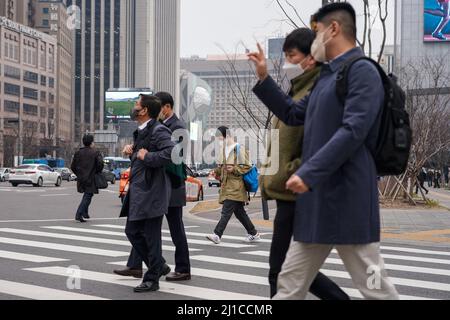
(16, 10)
(275, 49)
(28, 91)
(51, 18)
(122, 44)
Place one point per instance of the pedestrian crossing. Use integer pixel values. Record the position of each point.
(233, 270)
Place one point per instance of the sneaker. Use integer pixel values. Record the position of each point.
(439, 35)
(214, 238)
(254, 238)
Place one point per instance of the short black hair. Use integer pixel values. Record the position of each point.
(88, 139)
(343, 13)
(152, 104)
(300, 39)
(166, 98)
(223, 131)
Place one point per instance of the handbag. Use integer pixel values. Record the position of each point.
(100, 181)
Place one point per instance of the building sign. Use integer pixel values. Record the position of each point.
(436, 20)
(20, 28)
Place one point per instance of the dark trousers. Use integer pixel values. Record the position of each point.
(421, 184)
(322, 287)
(236, 207)
(83, 208)
(145, 237)
(179, 239)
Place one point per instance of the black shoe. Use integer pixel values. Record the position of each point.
(86, 216)
(177, 276)
(147, 286)
(165, 270)
(80, 219)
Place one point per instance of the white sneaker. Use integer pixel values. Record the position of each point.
(254, 238)
(214, 238)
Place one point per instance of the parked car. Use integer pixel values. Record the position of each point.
(110, 176)
(212, 181)
(36, 174)
(4, 174)
(194, 187)
(66, 174)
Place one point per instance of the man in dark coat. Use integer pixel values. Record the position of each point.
(175, 211)
(150, 189)
(337, 202)
(85, 164)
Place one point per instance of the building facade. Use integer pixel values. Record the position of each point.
(28, 74)
(16, 10)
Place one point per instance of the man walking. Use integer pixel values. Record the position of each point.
(302, 70)
(85, 164)
(174, 215)
(149, 192)
(337, 182)
(233, 164)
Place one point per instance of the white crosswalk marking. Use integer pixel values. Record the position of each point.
(41, 293)
(172, 288)
(422, 274)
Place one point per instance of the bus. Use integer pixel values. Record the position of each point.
(116, 165)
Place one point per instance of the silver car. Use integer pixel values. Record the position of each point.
(4, 174)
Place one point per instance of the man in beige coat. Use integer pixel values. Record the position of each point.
(233, 163)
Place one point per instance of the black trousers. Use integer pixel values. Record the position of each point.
(83, 208)
(179, 239)
(322, 287)
(145, 236)
(421, 184)
(236, 207)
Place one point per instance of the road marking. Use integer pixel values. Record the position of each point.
(229, 261)
(28, 257)
(165, 287)
(57, 220)
(64, 247)
(80, 238)
(195, 234)
(112, 233)
(41, 293)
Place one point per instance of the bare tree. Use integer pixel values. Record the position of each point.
(369, 14)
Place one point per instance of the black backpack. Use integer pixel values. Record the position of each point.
(395, 136)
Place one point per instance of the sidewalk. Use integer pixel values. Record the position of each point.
(442, 195)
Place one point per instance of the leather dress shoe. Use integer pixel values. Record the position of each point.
(147, 286)
(80, 219)
(178, 276)
(165, 270)
(86, 216)
(135, 273)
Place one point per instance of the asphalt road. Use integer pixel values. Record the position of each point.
(43, 252)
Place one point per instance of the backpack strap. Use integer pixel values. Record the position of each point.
(342, 77)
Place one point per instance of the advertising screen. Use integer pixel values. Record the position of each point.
(119, 103)
(436, 20)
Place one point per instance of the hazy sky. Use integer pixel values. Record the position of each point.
(208, 25)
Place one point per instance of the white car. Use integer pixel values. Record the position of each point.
(35, 174)
(4, 174)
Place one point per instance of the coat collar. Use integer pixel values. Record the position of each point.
(336, 64)
(171, 120)
(301, 81)
(145, 131)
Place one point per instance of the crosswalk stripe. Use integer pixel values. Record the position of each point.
(114, 233)
(41, 293)
(245, 278)
(64, 247)
(332, 273)
(194, 234)
(412, 250)
(28, 257)
(165, 287)
(385, 256)
(79, 238)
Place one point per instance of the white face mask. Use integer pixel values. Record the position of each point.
(293, 70)
(319, 48)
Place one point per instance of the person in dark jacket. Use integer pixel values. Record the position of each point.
(85, 164)
(336, 184)
(421, 178)
(302, 70)
(150, 189)
(175, 212)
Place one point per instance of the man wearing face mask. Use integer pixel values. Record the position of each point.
(337, 201)
(302, 70)
(148, 197)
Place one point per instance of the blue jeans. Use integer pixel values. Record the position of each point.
(83, 209)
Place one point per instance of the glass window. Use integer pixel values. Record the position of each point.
(12, 89)
(30, 77)
(30, 93)
(45, 22)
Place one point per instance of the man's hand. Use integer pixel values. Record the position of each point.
(260, 62)
(141, 154)
(128, 150)
(296, 185)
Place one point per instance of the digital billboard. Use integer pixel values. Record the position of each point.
(436, 20)
(120, 102)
